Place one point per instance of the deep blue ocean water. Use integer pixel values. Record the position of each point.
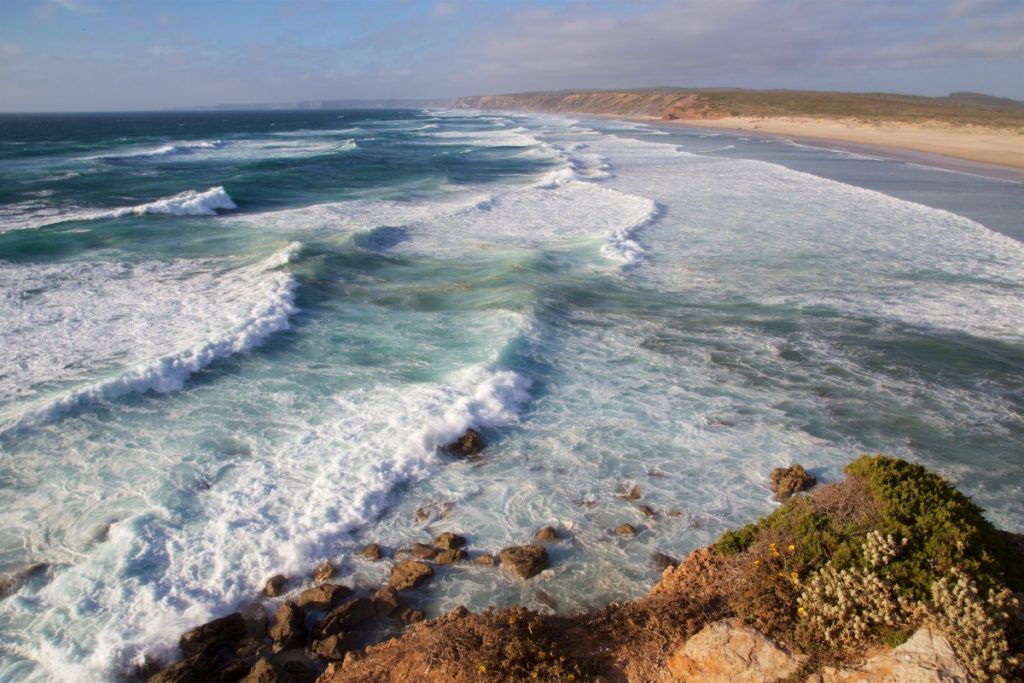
(232, 343)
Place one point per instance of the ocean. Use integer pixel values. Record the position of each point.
(232, 345)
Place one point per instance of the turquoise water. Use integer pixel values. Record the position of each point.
(232, 344)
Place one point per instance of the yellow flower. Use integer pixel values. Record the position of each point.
(782, 575)
(799, 610)
(570, 677)
(540, 653)
(794, 576)
(771, 545)
(775, 553)
(757, 562)
(792, 547)
(533, 674)
(482, 668)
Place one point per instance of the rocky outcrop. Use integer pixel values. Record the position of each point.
(789, 480)
(213, 635)
(409, 574)
(468, 445)
(324, 596)
(728, 652)
(289, 629)
(525, 561)
(926, 658)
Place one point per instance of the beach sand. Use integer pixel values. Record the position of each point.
(985, 151)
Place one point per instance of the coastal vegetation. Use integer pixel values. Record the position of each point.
(959, 109)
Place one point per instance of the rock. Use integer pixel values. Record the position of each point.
(9, 583)
(351, 614)
(422, 551)
(451, 556)
(663, 561)
(412, 616)
(275, 586)
(485, 560)
(386, 601)
(467, 445)
(788, 480)
(351, 658)
(255, 617)
(334, 648)
(191, 670)
(324, 596)
(728, 652)
(265, 671)
(648, 511)
(525, 561)
(631, 493)
(324, 571)
(422, 513)
(450, 541)
(625, 529)
(289, 629)
(926, 658)
(547, 533)
(409, 574)
(234, 671)
(371, 551)
(213, 635)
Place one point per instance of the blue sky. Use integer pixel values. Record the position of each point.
(79, 55)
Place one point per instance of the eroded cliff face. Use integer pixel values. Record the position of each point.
(667, 105)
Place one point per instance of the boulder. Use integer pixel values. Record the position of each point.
(728, 652)
(234, 671)
(343, 618)
(371, 551)
(663, 561)
(451, 556)
(386, 601)
(213, 635)
(450, 541)
(789, 480)
(255, 617)
(409, 574)
(265, 671)
(485, 560)
(625, 530)
(324, 571)
(926, 658)
(547, 533)
(334, 648)
(289, 629)
(525, 561)
(324, 596)
(467, 445)
(412, 616)
(275, 586)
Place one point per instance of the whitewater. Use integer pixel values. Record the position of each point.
(234, 345)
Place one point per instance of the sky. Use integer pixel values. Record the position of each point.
(88, 55)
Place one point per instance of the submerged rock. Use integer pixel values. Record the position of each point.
(663, 561)
(525, 561)
(213, 635)
(467, 445)
(409, 574)
(625, 530)
(324, 571)
(547, 533)
(485, 560)
(451, 556)
(789, 480)
(422, 551)
(371, 551)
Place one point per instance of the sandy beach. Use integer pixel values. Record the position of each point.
(986, 151)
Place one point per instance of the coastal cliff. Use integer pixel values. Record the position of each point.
(891, 574)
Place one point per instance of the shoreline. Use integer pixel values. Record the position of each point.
(899, 142)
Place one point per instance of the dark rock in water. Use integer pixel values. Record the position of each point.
(213, 635)
(324, 571)
(485, 560)
(372, 552)
(386, 601)
(663, 561)
(334, 648)
(467, 445)
(9, 583)
(289, 629)
(422, 513)
(191, 670)
(547, 533)
(411, 616)
(525, 561)
(409, 574)
(265, 671)
(422, 551)
(648, 511)
(631, 493)
(275, 586)
(450, 541)
(547, 600)
(324, 596)
(349, 615)
(789, 480)
(451, 556)
(625, 529)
